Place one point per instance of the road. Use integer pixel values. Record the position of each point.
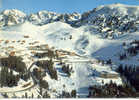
(35, 81)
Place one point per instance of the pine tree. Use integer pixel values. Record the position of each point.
(46, 95)
(73, 93)
(32, 95)
(23, 96)
(26, 96)
(120, 69)
(38, 96)
(40, 92)
(102, 81)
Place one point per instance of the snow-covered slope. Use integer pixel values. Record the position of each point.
(63, 36)
(17, 31)
(86, 42)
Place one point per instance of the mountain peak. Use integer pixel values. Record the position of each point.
(11, 17)
(13, 12)
(14, 16)
(118, 9)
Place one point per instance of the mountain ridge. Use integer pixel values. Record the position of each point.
(44, 17)
(110, 21)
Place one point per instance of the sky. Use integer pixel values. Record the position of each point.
(59, 6)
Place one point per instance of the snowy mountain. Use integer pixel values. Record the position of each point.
(45, 17)
(11, 17)
(110, 20)
(69, 55)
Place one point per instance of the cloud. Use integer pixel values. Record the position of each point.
(0, 3)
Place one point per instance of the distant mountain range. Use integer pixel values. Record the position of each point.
(110, 20)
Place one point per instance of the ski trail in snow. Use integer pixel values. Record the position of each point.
(83, 79)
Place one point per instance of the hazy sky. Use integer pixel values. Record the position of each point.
(0, 3)
(60, 6)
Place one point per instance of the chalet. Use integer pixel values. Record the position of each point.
(31, 43)
(11, 47)
(0, 41)
(33, 52)
(72, 54)
(105, 74)
(7, 41)
(36, 42)
(47, 46)
(26, 85)
(18, 41)
(23, 41)
(26, 36)
(31, 47)
(40, 70)
(12, 53)
(60, 53)
(38, 47)
(13, 41)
